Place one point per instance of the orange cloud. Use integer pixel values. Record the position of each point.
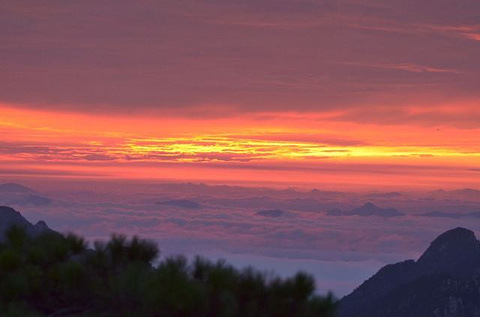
(284, 148)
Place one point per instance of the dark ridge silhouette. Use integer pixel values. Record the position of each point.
(49, 274)
(271, 213)
(456, 252)
(10, 217)
(181, 203)
(443, 282)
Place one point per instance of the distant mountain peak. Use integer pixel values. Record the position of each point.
(370, 209)
(15, 188)
(12, 194)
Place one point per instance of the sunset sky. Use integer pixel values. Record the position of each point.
(329, 94)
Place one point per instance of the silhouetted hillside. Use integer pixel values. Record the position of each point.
(10, 217)
(443, 282)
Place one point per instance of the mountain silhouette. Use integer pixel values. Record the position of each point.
(456, 252)
(10, 217)
(15, 188)
(370, 209)
(443, 282)
(16, 194)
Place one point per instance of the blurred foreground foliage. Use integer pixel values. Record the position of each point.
(56, 275)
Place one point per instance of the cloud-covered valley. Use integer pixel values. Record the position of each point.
(262, 224)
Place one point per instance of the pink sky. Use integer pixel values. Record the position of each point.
(332, 93)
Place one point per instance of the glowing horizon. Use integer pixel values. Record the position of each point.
(330, 93)
(140, 147)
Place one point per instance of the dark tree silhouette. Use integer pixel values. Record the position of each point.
(56, 275)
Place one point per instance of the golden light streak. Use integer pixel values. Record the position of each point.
(74, 143)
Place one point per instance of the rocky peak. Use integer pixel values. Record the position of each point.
(455, 237)
(444, 282)
(41, 225)
(456, 251)
(5, 210)
(10, 217)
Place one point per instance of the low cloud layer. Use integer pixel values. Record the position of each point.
(229, 225)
